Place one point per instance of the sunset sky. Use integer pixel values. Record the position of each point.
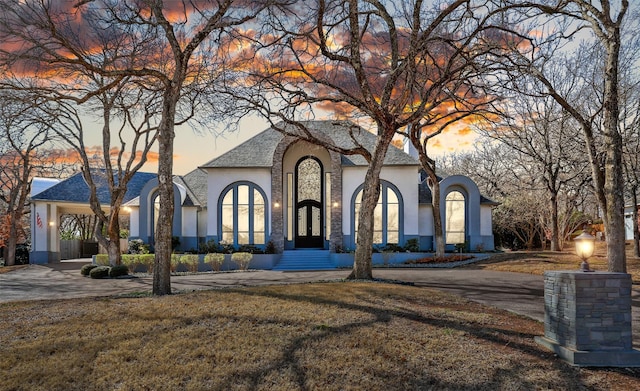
(192, 149)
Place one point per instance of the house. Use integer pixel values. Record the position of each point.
(628, 222)
(299, 195)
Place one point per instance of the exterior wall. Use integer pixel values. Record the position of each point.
(220, 178)
(45, 240)
(628, 222)
(189, 235)
(202, 224)
(486, 227)
(425, 228)
(134, 222)
(352, 177)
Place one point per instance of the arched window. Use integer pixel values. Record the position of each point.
(455, 218)
(243, 215)
(386, 215)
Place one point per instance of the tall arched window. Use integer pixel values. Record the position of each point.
(455, 218)
(386, 215)
(243, 215)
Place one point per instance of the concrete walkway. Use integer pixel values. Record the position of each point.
(516, 292)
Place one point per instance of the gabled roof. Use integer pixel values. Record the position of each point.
(75, 188)
(196, 184)
(258, 151)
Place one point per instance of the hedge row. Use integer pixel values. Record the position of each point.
(191, 261)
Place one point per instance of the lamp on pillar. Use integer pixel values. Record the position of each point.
(585, 244)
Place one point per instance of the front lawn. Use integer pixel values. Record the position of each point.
(537, 262)
(321, 336)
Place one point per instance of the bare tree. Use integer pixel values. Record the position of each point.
(518, 183)
(118, 160)
(544, 135)
(605, 19)
(161, 45)
(380, 64)
(630, 127)
(24, 153)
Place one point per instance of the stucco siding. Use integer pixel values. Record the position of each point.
(134, 222)
(405, 178)
(352, 177)
(486, 228)
(426, 220)
(190, 221)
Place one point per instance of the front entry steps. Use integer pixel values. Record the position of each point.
(305, 260)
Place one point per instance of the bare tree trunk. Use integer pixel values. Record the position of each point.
(370, 195)
(164, 227)
(11, 243)
(614, 182)
(438, 228)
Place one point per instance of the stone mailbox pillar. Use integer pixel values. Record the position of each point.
(587, 318)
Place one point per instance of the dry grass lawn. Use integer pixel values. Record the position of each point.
(537, 262)
(322, 336)
(7, 269)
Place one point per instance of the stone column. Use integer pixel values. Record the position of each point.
(588, 318)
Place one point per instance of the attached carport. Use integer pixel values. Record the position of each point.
(52, 199)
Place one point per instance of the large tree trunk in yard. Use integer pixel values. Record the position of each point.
(164, 227)
(438, 228)
(614, 182)
(10, 246)
(370, 195)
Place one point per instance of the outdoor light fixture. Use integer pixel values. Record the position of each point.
(585, 244)
(335, 204)
(276, 204)
(52, 223)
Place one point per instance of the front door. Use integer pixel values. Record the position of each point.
(309, 228)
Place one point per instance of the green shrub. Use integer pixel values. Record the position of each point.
(118, 270)
(132, 261)
(147, 260)
(242, 259)
(214, 260)
(99, 272)
(175, 262)
(191, 261)
(102, 260)
(86, 269)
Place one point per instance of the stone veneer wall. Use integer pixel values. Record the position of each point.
(277, 185)
(588, 311)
